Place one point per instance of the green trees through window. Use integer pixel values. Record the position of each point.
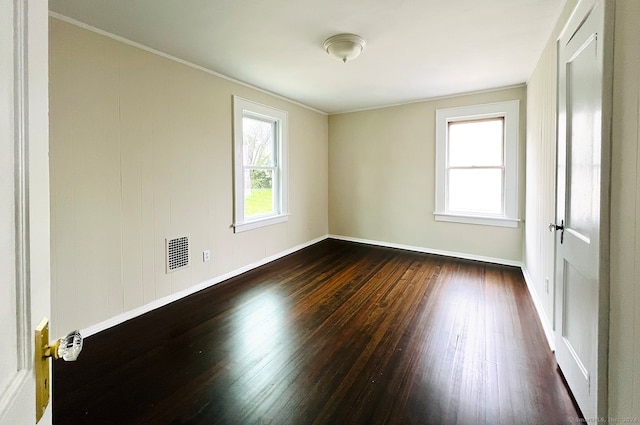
(260, 153)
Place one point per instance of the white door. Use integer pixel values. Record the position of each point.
(581, 198)
(24, 202)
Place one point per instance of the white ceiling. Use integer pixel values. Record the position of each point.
(416, 49)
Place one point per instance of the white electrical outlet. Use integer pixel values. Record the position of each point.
(546, 284)
(206, 255)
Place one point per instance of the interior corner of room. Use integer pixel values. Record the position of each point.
(141, 150)
(152, 140)
(141, 146)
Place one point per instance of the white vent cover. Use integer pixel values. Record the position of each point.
(178, 253)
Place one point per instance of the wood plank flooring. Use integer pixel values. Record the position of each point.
(337, 333)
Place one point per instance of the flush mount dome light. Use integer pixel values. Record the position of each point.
(345, 46)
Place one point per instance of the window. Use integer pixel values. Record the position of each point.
(260, 172)
(477, 164)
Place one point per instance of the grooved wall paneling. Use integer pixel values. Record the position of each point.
(141, 151)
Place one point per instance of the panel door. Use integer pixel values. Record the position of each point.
(579, 198)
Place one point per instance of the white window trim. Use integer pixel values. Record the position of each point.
(240, 107)
(510, 110)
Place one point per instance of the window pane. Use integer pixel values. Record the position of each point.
(476, 190)
(258, 192)
(258, 142)
(476, 143)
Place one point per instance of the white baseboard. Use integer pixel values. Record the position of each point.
(462, 255)
(123, 317)
(127, 315)
(546, 326)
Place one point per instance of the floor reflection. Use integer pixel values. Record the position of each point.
(260, 347)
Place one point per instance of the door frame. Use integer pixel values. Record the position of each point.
(575, 21)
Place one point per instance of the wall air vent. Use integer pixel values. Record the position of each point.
(178, 253)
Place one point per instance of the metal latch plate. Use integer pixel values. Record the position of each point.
(41, 366)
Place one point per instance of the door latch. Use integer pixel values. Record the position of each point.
(556, 227)
(67, 349)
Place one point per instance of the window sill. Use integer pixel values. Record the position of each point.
(477, 219)
(262, 222)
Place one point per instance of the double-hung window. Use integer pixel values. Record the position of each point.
(260, 172)
(476, 164)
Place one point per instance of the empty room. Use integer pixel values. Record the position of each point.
(278, 212)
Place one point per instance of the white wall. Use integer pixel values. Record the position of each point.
(382, 180)
(624, 331)
(141, 150)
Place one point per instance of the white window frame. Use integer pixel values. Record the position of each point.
(242, 108)
(510, 111)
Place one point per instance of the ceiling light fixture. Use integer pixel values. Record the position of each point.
(345, 46)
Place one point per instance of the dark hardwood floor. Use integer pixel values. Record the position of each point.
(337, 333)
